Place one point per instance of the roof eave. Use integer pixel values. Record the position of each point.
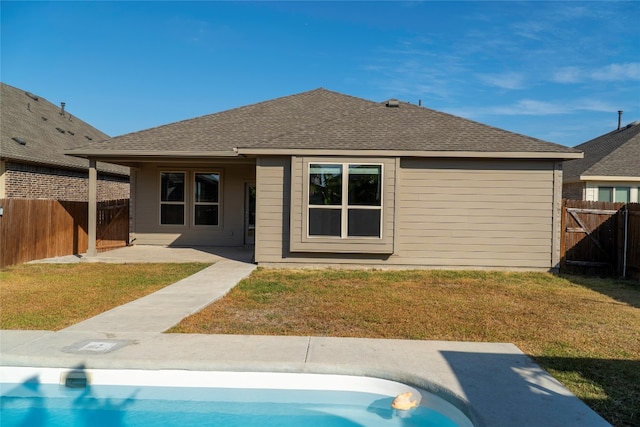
(411, 153)
(150, 154)
(609, 178)
(103, 167)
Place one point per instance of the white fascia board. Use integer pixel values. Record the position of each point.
(403, 153)
(610, 178)
(155, 154)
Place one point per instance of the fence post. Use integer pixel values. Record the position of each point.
(563, 236)
(626, 241)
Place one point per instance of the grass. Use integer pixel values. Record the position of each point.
(585, 332)
(54, 296)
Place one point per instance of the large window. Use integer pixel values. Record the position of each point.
(203, 205)
(345, 200)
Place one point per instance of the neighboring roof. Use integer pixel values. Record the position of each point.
(33, 130)
(322, 120)
(615, 154)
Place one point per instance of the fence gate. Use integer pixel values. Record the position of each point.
(112, 225)
(595, 237)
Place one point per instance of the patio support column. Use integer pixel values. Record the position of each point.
(93, 208)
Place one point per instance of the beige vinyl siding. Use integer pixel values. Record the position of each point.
(272, 208)
(229, 232)
(475, 213)
(478, 214)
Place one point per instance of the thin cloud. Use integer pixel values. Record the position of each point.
(532, 107)
(612, 72)
(618, 72)
(508, 80)
(568, 75)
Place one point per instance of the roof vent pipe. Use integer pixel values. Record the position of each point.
(619, 119)
(62, 104)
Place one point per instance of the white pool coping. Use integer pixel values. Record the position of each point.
(228, 380)
(500, 386)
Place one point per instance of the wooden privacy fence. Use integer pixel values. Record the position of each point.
(600, 238)
(37, 229)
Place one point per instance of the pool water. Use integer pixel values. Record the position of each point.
(36, 403)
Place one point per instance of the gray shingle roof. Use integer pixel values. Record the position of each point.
(45, 132)
(616, 153)
(322, 119)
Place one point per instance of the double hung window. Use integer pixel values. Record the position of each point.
(206, 198)
(184, 194)
(172, 201)
(345, 200)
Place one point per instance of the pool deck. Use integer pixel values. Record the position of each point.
(501, 384)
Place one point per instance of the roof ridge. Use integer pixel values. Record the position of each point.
(606, 148)
(204, 116)
(614, 152)
(630, 127)
(345, 113)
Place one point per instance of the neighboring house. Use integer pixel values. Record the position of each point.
(325, 178)
(610, 169)
(34, 135)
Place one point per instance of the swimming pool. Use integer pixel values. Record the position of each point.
(80, 397)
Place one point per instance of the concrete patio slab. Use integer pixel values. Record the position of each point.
(164, 254)
(10, 340)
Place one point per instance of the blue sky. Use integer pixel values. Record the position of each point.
(558, 71)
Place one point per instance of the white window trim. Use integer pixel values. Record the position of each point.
(344, 206)
(592, 190)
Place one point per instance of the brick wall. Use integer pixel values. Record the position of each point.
(41, 182)
(573, 191)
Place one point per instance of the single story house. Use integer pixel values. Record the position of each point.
(610, 169)
(325, 178)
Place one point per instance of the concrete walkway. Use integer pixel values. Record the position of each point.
(494, 383)
(165, 308)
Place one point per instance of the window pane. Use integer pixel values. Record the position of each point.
(206, 187)
(364, 185)
(172, 214)
(325, 222)
(364, 222)
(622, 194)
(206, 215)
(605, 194)
(325, 184)
(172, 186)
